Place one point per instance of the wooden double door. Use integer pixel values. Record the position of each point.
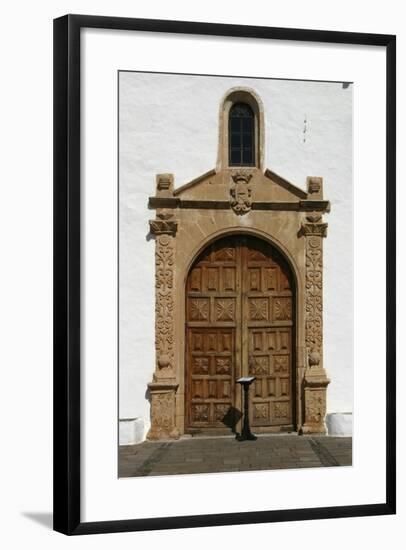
(239, 322)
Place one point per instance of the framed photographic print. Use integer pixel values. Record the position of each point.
(224, 303)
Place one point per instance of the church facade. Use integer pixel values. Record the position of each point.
(238, 275)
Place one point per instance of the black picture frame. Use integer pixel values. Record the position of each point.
(67, 273)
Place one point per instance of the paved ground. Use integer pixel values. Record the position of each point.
(225, 454)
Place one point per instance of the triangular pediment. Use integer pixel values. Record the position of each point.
(265, 187)
(291, 190)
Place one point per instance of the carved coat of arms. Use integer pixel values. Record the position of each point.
(240, 192)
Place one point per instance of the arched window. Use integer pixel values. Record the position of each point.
(241, 135)
(241, 130)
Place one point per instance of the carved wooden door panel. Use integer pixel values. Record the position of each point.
(239, 321)
(212, 310)
(267, 333)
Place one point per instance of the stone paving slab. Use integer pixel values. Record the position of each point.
(224, 454)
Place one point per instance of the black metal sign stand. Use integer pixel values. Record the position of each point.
(246, 433)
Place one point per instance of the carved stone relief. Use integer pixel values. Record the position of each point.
(314, 296)
(240, 192)
(164, 229)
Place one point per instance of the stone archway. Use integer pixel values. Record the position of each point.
(240, 320)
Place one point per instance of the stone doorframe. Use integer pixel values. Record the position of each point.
(188, 220)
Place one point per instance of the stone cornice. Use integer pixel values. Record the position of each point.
(297, 206)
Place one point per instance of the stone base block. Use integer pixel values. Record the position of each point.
(315, 390)
(163, 403)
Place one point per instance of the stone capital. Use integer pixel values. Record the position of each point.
(314, 229)
(163, 227)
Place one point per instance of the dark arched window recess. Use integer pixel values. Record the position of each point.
(241, 135)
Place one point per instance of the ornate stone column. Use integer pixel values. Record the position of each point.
(164, 385)
(315, 378)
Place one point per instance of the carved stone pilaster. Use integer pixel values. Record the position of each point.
(164, 386)
(315, 378)
(164, 228)
(314, 297)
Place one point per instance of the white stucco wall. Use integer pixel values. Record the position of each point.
(169, 123)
